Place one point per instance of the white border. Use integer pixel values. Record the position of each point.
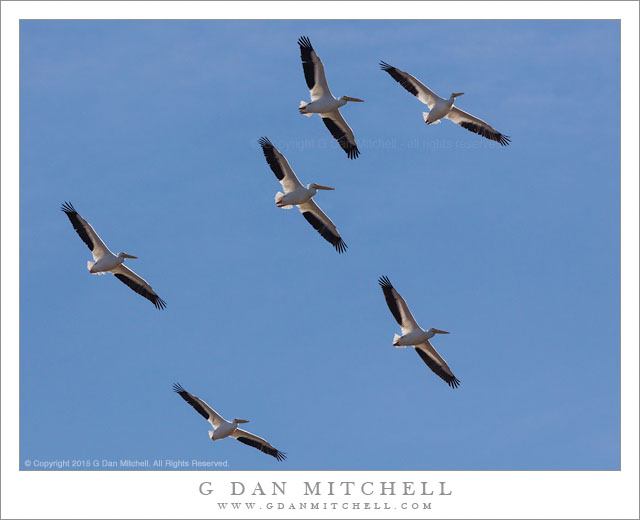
(535, 494)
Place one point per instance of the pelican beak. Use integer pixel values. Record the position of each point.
(354, 99)
(240, 421)
(458, 94)
(318, 187)
(440, 331)
(125, 255)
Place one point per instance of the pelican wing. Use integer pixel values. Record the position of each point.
(342, 132)
(138, 284)
(199, 406)
(478, 126)
(438, 365)
(398, 306)
(322, 224)
(280, 166)
(259, 443)
(86, 232)
(313, 70)
(412, 85)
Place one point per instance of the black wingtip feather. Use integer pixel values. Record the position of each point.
(305, 43)
(454, 383)
(269, 152)
(177, 388)
(335, 240)
(158, 302)
(400, 78)
(76, 222)
(279, 455)
(387, 291)
(450, 379)
(307, 61)
(385, 282)
(264, 142)
(340, 136)
(503, 140)
(68, 208)
(340, 246)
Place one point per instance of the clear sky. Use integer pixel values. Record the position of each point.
(150, 129)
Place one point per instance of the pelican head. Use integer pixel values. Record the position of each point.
(456, 94)
(437, 331)
(125, 255)
(319, 187)
(240, 421)
(344, 99)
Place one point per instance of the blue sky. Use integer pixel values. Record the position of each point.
(150, 129)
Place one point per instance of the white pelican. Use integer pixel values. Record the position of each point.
(439, 107)
(414, 335)
(106, 262)
(322, 100)
(295, 194)
(224, 428)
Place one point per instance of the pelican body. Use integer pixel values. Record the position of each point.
(225, 429)
(299, 196)
(108, 262)
(441, 108)
(325, 105)
(416, 337)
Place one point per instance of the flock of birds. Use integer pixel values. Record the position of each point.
(295, 193)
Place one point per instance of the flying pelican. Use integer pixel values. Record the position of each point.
(295, 194)
(322, 100)
(106, 262)
(439, 107)
(224, 428)
(414, 335)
